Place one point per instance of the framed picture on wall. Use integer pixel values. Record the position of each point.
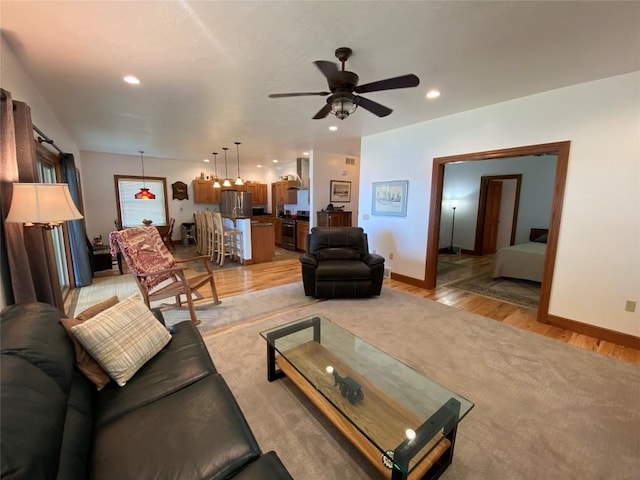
(339, 191)
(390, 198)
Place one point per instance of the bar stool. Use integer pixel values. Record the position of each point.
(200, 221)
(229, 241)
(211, 239)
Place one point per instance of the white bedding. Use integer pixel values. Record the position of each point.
(525, 261)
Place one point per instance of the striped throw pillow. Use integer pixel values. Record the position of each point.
(122, 338)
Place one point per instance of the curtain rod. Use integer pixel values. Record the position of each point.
(44, 139)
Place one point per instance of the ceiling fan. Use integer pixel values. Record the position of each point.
(343, 84)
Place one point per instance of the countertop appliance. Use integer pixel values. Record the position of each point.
(236, 204)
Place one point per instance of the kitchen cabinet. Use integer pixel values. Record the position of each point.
(284, 192)
(277, 225)
(235, 188)
(302, 230)
(263, 247)
(203, 192)
(333, 218)
(263, 218)
(258, 193)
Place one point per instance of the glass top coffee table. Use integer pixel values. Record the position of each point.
(400, 420)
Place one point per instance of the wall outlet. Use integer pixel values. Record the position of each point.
(630, 306)
(391, 256)
(365, 216)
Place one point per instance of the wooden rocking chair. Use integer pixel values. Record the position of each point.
(158, 274)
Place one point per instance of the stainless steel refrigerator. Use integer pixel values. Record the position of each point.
(236, 204)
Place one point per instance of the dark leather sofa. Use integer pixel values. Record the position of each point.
(338, 264)
(175, 419)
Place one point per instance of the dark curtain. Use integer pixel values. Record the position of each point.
(24, 249)
(76, 228)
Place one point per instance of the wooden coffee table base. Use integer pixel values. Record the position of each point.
(430, 467)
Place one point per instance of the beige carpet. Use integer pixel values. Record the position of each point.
(543, 409)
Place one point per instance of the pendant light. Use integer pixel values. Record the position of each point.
(144, 193)
(216, 183)
(226, 182)
(239, 181)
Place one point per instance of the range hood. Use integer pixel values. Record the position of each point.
(302, 170)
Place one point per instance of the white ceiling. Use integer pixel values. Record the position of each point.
(207, 67)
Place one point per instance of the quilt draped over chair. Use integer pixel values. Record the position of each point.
(158, 274)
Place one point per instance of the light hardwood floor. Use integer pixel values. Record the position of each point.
(251, 278)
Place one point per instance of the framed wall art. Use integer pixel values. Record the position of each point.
(339, 191)
(390, 198)
(180, 191)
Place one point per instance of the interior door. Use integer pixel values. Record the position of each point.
(491, 217)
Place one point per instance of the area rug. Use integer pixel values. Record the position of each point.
(543, 408)
(524, 293)
(242, 308)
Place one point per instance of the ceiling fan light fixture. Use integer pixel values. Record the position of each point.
(342, 107)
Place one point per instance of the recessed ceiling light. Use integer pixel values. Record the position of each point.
(131, 80)
(259, 166)
(333, 128)
(206, 160)
(305, 153)
(275, 161)
(433, 94)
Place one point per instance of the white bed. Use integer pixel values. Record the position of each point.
(524, 261)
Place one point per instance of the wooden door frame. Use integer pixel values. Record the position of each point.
(437, 183)
(484, 183)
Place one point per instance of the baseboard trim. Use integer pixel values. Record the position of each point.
(612, 336)
(409, 280)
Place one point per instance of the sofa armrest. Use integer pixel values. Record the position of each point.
(308, 259)
(372, 259)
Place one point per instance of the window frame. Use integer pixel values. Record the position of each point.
(143, 181)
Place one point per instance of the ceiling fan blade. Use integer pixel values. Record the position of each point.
(301, 94)
(403, 81)
(373, 107)
(323, 112)
(328, 69)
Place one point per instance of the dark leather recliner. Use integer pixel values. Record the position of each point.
(338, 264)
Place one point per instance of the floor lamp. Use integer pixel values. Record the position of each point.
(45, 205)
(454, 205)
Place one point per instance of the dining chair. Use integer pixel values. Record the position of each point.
(167, 234)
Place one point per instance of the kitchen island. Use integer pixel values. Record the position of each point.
(263, 242)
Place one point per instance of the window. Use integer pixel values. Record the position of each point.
(132, 211)
(47, 169)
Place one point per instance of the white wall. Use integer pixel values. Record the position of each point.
(327, 166)
(598, 259)
(462, 182)
(15, 79)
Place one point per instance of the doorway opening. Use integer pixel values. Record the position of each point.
(497, 213)
(561, 149)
